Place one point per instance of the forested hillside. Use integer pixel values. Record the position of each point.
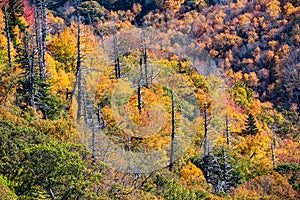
(162, 99)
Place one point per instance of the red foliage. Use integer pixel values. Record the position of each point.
(3, 3)
(28, 12)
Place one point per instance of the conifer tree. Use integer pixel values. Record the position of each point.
(251, 128)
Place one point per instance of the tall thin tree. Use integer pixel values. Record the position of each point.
(227, 131)
(206, 142)
(116, 55)
(79, 67)
(140, 85)
(273, 154)
(100, 117)
(40, 14)
(172, 153)
(145, 58)
(7, 32)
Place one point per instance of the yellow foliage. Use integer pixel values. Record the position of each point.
(192, 175)
(273, 8)
(16, 31)
(255, 107)
(58, 79)
(227, 39)
(257, 150)
(272, 186)
(272, 44)
(63, 49)
(59, 129)
(284, 51)
(244, 20)
(54, 20)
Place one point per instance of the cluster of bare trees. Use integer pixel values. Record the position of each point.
(31, 55)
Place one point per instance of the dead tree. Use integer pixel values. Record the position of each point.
(227, 131)
(79, 69)
(40, 15)
(32, 78)
(172, 153)
(205, 130)
(44, 35)
(145, 58)
(140, 85)
(7, 36)
(29, 85)
(116, 55)
(139, 97)
(100, 117)
(78, 73)
(274, 139)
(273, 154)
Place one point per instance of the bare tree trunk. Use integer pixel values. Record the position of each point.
(41, 33)
(43, 44)
(224, 163)
(29, 65)
(274, 139)
(273, 155)
(100, 118)
(172, 157)
(7, 36)
(145, 58)
(140, 85)
(192, 30)
(32, 79)
(79, 70)
(128, 144)
(205, 131)
(227, 131)
(116, 55)
(139, 97)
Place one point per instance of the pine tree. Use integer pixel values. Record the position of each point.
(15, 12)
(251, 128)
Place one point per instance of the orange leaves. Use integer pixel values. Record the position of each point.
(226, 40)
(288, 151)
(192, 176)
(149, 100)
(272, 186)
(290, 10)
(272, 44)
(273, 8)
(172, 5)
(245, 20)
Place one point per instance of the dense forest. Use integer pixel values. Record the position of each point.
(162, 99)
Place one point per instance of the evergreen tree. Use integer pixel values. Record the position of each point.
(15, 12)
(251, 128)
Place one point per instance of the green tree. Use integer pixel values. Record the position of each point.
(5, 192)
(251, 128)
(54, 168)
(91, 11)
(38, 167)
(292, 172)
